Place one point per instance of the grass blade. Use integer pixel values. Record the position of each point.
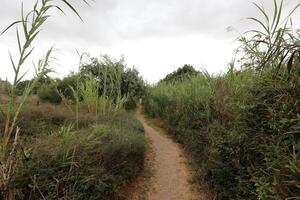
(19, 41)
(263, 12)
(12, 24)
(259, 22)
(72, 8)
(290, 62)
(12, 62)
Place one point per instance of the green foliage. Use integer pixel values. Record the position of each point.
(99, 85)
(274, 44)
(45, 118)
(64, 86)
(113, 76)
(180, 74)
(61, 164)
(132, 84)
(31, 24)
(4, 87)
(82, 165)
(21, 87)
(130, 103)
(89, 93)
(241, 129)
(49, 93)
(39, 81)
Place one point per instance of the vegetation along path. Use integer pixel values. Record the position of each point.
(170, 171)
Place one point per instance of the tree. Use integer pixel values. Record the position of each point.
(113, 76)
(132, 83)
(180, 74)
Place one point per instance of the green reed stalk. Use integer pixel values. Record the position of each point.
(31, 24)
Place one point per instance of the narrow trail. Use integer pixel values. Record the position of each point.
(171, 175)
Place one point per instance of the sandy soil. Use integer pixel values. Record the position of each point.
(170, 174)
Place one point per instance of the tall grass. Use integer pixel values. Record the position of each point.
(242, 127)
(92, 162)
(100, 92)
(90, 94)
(196, 94)
(31, 24)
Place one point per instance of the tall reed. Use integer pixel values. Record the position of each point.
(99, 90)
(274, 43)
(31, 24)
(241, 127)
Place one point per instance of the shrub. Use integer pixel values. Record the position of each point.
(90, 164)
(22, 85)
(130, 103)
(49, 93)
(4, 87)
(38, 120)
(241, 129)
(64, 85)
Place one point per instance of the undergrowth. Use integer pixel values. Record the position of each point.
(242, 130)
(242, 127)
(70, 150)
(93, 162)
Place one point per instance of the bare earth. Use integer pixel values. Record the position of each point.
(170, 177)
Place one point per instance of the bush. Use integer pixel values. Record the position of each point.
(64, 85)
(5, 87)
(38, 120)
(49, 93)
(180, 74)
(21, 86)
(130, 103)
(241, 129)
(90, 164)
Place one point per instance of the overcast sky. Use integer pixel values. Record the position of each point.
(155, 36)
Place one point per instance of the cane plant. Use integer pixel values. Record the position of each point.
(27, 30)
(274, 43)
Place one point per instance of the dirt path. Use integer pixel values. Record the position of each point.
(171, 175)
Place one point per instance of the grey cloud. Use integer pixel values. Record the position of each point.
(110, 21)
(148, 31)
